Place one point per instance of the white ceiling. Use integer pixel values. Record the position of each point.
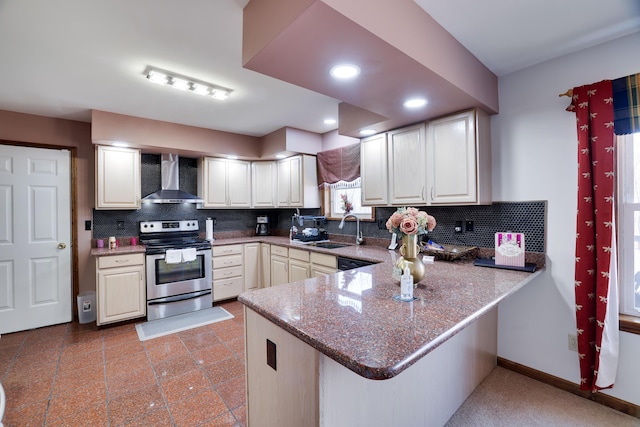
(63, 58)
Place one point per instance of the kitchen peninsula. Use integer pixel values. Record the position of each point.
(338, 350)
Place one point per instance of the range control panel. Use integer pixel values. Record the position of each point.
(168, 226)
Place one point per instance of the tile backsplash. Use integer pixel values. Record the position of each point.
(523, 217)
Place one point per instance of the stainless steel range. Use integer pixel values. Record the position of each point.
(178, 268)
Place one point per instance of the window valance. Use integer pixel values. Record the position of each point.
(339, 166)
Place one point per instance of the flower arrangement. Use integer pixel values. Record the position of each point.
(409, 221)
(347, 206)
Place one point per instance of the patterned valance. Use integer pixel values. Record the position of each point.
(341, 165)
(626, 104)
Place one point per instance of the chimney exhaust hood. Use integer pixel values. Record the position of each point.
(170, 192)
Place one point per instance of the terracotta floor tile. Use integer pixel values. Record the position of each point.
(157, 418)
(241, 414)
(48, 332)
(225, 420)
(229, 332)
(71, 360)
(19, 393)
(131, 406)
(130, 382)
(167, 350)
(169, 368)
(122, 350)
(82, 344)
(233, 392)
(76, 378)
(126, 364)
(94, 415)
(185, 386)
(13, 339)
(118, 328)
(27, 415)
(161, 341)
(41, 346)
(237, 346)
(204, 339)
(210, 355)
(66, 401)
(193, 331)
(124, 337)
(224, 370)
(30, 373)
(203, 406)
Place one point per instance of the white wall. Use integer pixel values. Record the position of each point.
(534, 153)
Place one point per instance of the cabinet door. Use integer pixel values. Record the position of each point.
(279, 270)
(238, 184)
(263, 189)
(284, 182)
(296, 191)
(265, 262)
(298, 270)
(407, 166)
(121, 294)
(451, 153)
(252, 270)
(117, 178)
(320, 270)
(214, 182)
(373, 170)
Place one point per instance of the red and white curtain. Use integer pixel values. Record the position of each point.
(595, 263)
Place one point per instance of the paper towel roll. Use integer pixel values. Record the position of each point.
(209, 230)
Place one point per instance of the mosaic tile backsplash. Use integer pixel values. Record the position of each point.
(523, 217)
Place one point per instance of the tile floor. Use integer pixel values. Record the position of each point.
(82, 375)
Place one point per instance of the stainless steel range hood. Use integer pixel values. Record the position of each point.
(170, 192)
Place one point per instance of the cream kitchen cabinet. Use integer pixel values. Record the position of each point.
(224, 183)
(299, 266)
(406, 165)
(265, 263)
(228, 271)
(323, 264)
(298, 182)
(117, 178)
(120, 288)
(252, 271)
(459, 159)
(279, 265)
(373, 170)
(264, 183)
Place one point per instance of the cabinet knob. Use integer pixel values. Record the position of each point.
(61, 245)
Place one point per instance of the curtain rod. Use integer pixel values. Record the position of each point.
(568, 93)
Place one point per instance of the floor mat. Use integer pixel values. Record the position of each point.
(182, 322)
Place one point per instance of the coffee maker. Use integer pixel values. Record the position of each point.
(262, 226)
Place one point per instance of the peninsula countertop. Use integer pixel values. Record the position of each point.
(351, 317)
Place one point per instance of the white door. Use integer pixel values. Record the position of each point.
(35, 238)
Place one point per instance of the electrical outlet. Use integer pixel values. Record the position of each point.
(87, 225)
(382, 225)
(573, 342)
(469, 226)
(120, 224)
(457, 227)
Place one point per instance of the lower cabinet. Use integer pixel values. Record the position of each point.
(282, 376)
(228, 271)
(120, 288)
(323, 264)
(265, 264)
(252, 272)
(299, 267)
(279, 265)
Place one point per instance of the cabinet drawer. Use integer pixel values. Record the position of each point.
(299, 254)
(226, 250)
(227, 288)
(279, 250)
(227, 261)
(323, 259)
(120, 260)
(226, 273)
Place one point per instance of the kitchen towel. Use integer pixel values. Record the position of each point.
(510, 249)
(188, 254)
(173, 256)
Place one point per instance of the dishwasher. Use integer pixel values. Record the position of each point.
(350, 263)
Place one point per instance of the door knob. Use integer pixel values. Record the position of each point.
(61, 246)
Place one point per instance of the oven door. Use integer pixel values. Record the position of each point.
(169, 280)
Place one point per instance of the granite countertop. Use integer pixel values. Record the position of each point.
(120, 250)
(350, 316)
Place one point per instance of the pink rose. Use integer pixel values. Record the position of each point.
(409, 225)
(431, 223)
(394, 221)
(413, 212)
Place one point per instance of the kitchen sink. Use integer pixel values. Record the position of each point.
(331, 245)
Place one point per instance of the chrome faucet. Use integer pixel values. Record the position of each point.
(359, 238)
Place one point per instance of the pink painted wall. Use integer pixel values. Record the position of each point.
(38, 130)
(333, 139)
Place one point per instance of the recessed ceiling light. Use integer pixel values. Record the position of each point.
(329, 121)
(120, 144)
(415, 103)
(232, 157)
(367, 132)
(345, 71)
(280, 156)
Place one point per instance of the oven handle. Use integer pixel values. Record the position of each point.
(177, 298)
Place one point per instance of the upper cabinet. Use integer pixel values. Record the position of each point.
(373, 170)
(406, 160)
(264, 184)
(224, 183)
(459, 159)
(117, 178)
(298, 182)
